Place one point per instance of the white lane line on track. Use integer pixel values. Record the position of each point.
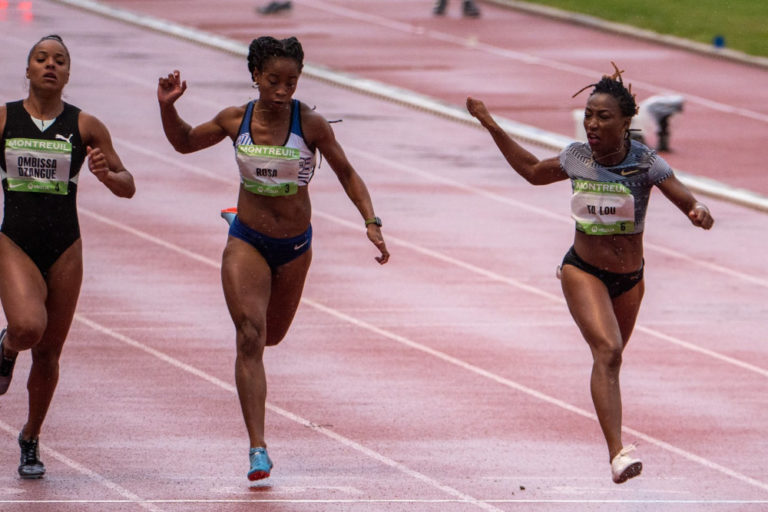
(403, 501)
(411, 99)
(349, 443)
(80, 468)
(414, 345)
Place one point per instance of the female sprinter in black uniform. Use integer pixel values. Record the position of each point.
(602, 274)
(268, 251)
(44, 143)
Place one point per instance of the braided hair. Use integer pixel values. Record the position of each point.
(264, 48)
(614, 86)
(52, 37)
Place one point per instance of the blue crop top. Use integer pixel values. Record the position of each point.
(274, 170)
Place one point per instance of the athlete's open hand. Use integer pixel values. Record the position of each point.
(375, 236)
(170, 88)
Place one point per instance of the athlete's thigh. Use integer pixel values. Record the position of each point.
(590, 306)
(627, 306)
(64, 279)
(246, 279)
(287, 287)
(22, 288)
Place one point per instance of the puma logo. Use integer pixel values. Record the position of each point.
(65, 139)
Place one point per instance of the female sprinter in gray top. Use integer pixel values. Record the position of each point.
(602, 274)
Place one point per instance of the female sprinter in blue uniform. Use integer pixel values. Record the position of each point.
(44, 143)
(268, 252)
(602, 273)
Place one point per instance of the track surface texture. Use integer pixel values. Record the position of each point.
(451, 379)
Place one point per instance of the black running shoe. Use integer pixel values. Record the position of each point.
(439, 8)
(6, 367)
(470, 9)
(275, 7)
(30, 465)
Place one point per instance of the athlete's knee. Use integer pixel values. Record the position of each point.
(251, 337)
(609, 356)
(24, 334)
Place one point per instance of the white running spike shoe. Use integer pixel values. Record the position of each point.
(624, 466)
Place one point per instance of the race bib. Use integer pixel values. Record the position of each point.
(269, 170)
(35, 165)
(603, 208)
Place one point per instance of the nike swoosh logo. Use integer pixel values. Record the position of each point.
(296, 247)
(629, 173)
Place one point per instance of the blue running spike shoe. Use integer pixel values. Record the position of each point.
(261, 464)
(6, 366)
(30, 465)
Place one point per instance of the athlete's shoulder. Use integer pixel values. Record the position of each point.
(314, 125)
(308, 113)
(235, 112)
(577, 148)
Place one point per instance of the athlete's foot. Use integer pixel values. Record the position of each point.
(275, 7)
(624, 466)
(439, 8)
(261, 464)
(470, 9)
(229, 214)
(30, 465)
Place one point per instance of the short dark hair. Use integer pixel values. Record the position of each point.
(53, 37)
(264, 48)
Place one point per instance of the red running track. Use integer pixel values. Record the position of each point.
(451, 379)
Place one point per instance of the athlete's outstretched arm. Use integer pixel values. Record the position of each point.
(679, 194)
(535, 171)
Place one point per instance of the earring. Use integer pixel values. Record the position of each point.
(255, 85)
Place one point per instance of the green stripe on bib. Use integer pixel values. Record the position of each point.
(38, 185)
(38, 145)
(272, 190)
(597, 187)
(278, 152)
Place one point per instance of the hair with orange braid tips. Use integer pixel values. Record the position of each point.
(614, 85)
